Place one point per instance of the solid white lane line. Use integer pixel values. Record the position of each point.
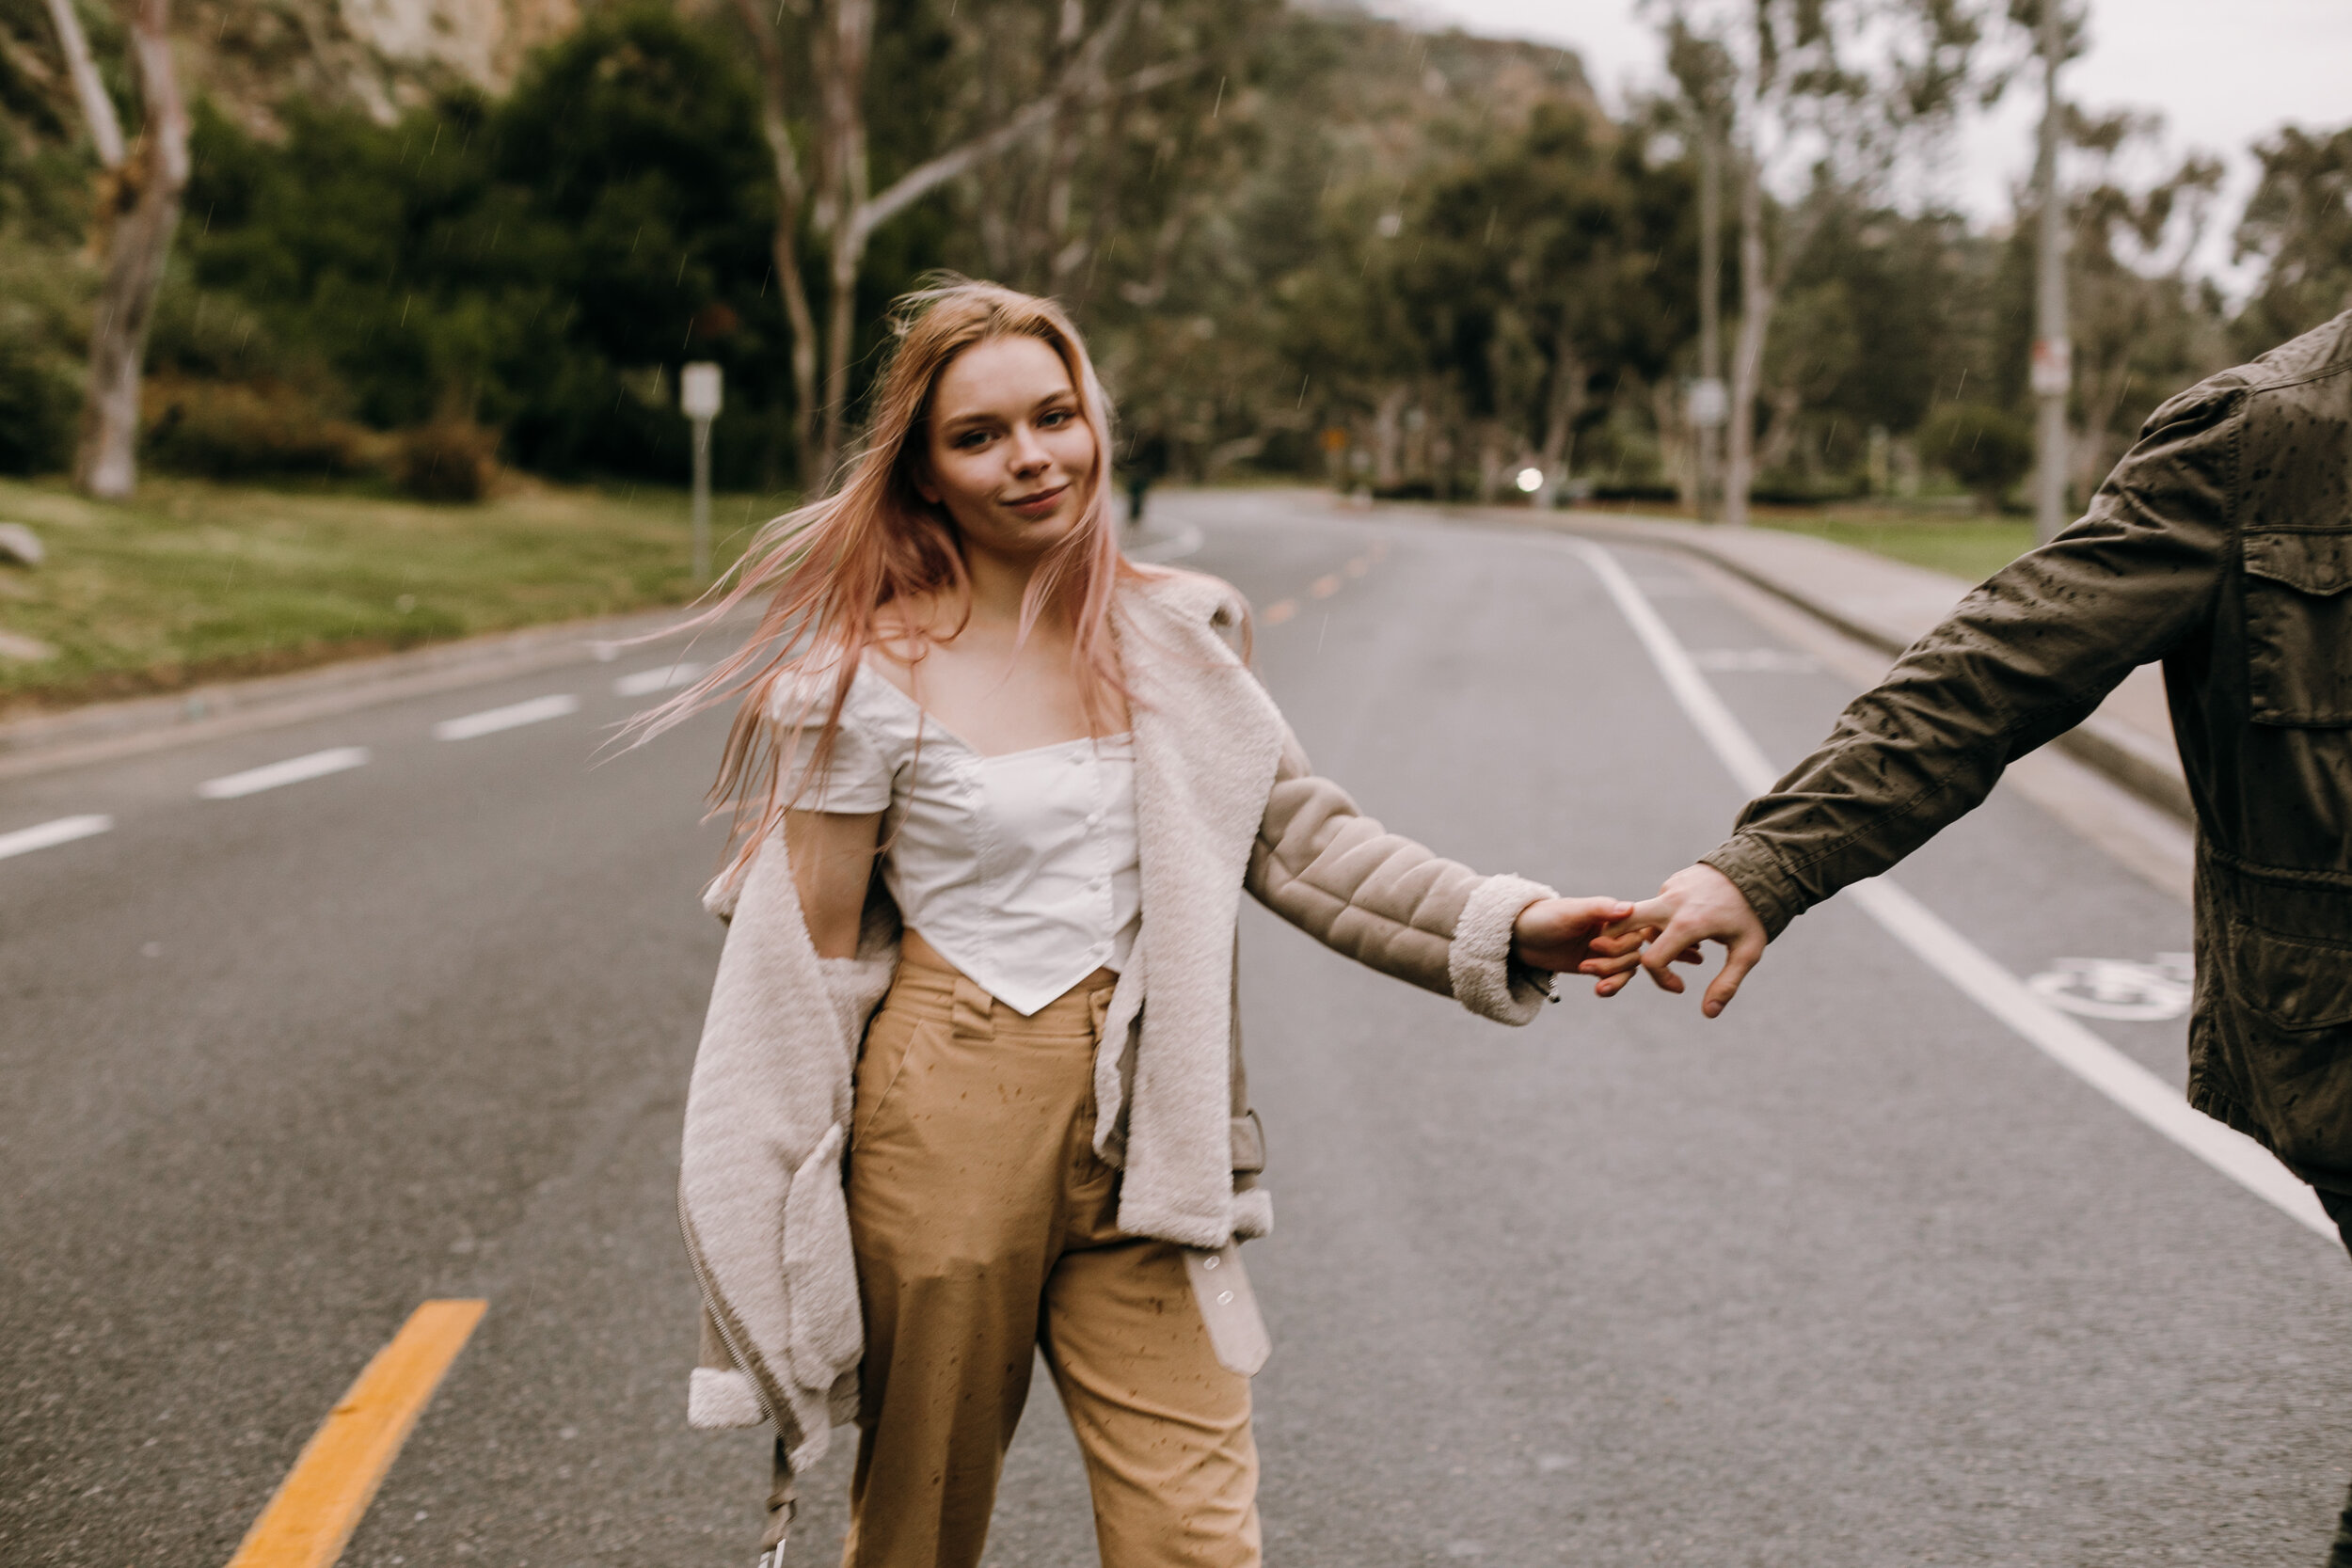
(513, 716)
(317, 764)
(65, 830)
(660, 678)
(1943, 949)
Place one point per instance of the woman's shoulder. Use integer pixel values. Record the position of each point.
(870, 709)
(1187, 595)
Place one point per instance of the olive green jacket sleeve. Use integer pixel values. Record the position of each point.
(2024, 658)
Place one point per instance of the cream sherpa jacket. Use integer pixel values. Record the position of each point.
(1224, 801)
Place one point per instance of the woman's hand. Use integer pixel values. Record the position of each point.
(1556, 934)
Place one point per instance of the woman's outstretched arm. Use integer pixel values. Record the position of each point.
(1491, 943)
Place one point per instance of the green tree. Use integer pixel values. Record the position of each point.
(2298, 221)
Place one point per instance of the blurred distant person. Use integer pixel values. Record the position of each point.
(2222, 545)
(1146, 466)
(1001, 791)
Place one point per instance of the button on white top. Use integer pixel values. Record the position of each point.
(1000, 862)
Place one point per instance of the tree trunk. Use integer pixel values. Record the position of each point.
(846, 48)
(1747, 356)
(98, 110)
(847, 216)
(791, 199)
(106, 462)
(1568, 406)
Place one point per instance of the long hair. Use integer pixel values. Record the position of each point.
(827, 569)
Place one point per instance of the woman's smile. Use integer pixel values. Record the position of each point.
(1038, 503)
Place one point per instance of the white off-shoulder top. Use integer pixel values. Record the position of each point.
(1020, 870)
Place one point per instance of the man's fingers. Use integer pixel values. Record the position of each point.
(1679, 936)
(1742, 959)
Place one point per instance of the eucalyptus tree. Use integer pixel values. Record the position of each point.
(138, 214)
(822, 103)
(2298, 222)
(1830, 96)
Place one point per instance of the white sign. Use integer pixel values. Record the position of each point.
(1711, 405)
(698, 390)
(2053, 367)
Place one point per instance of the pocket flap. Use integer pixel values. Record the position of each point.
(2309, 562)
(2294, 984)
(827, 1335)
(1249, 1144)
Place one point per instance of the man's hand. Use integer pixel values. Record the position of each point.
(1697, 904)
(1557, 934)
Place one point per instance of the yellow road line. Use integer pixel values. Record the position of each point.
(330, 1486)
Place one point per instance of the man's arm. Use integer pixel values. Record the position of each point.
(2024, 658)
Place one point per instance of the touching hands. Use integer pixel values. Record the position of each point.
(1557, 934)
(1697, 904)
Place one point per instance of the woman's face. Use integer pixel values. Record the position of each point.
(1011, 456)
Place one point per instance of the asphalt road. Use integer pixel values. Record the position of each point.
(1854, 1275)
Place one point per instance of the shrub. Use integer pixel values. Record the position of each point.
(250, 430)
(44, 293)
(39, 400)
(1986, 449)
(452, 459)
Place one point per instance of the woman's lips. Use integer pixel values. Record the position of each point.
(1040, 503)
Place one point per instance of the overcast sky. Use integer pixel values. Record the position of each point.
(2224, 74)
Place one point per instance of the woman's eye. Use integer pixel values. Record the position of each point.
(1056, 419)
(971, 440)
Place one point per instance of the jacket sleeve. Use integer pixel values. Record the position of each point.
(1387, 903)
(2022, 660)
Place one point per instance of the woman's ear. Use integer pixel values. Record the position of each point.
(919, 475)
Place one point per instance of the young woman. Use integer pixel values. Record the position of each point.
(971, 1084)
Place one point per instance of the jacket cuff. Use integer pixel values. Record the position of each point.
(1479, 964)
(722, 1398)
(1757, 872)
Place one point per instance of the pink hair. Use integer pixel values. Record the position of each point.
(829, 567)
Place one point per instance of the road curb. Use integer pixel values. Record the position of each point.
(2147, 767)
(104, 730)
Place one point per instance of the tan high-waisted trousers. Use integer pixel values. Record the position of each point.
(985, 1229)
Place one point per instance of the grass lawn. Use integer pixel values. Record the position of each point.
(1965, 546)
(194, 580)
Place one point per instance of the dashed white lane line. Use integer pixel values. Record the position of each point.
(513, 716)
(1960, 961)
(317, 764)
(662, 677)
(44, 835)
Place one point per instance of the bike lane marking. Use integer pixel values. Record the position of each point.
(1951, 955)
(327, 1492)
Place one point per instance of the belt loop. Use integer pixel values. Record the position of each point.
(972, 1011)
(1098, 1007)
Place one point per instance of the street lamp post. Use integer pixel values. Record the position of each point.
(1710, 403)
(698, 400)
(2053, 369)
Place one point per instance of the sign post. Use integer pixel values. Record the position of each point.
(698, 400)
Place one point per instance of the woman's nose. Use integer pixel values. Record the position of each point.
(1028, 453)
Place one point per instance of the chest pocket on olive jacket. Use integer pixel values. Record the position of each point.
(2298, 627)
